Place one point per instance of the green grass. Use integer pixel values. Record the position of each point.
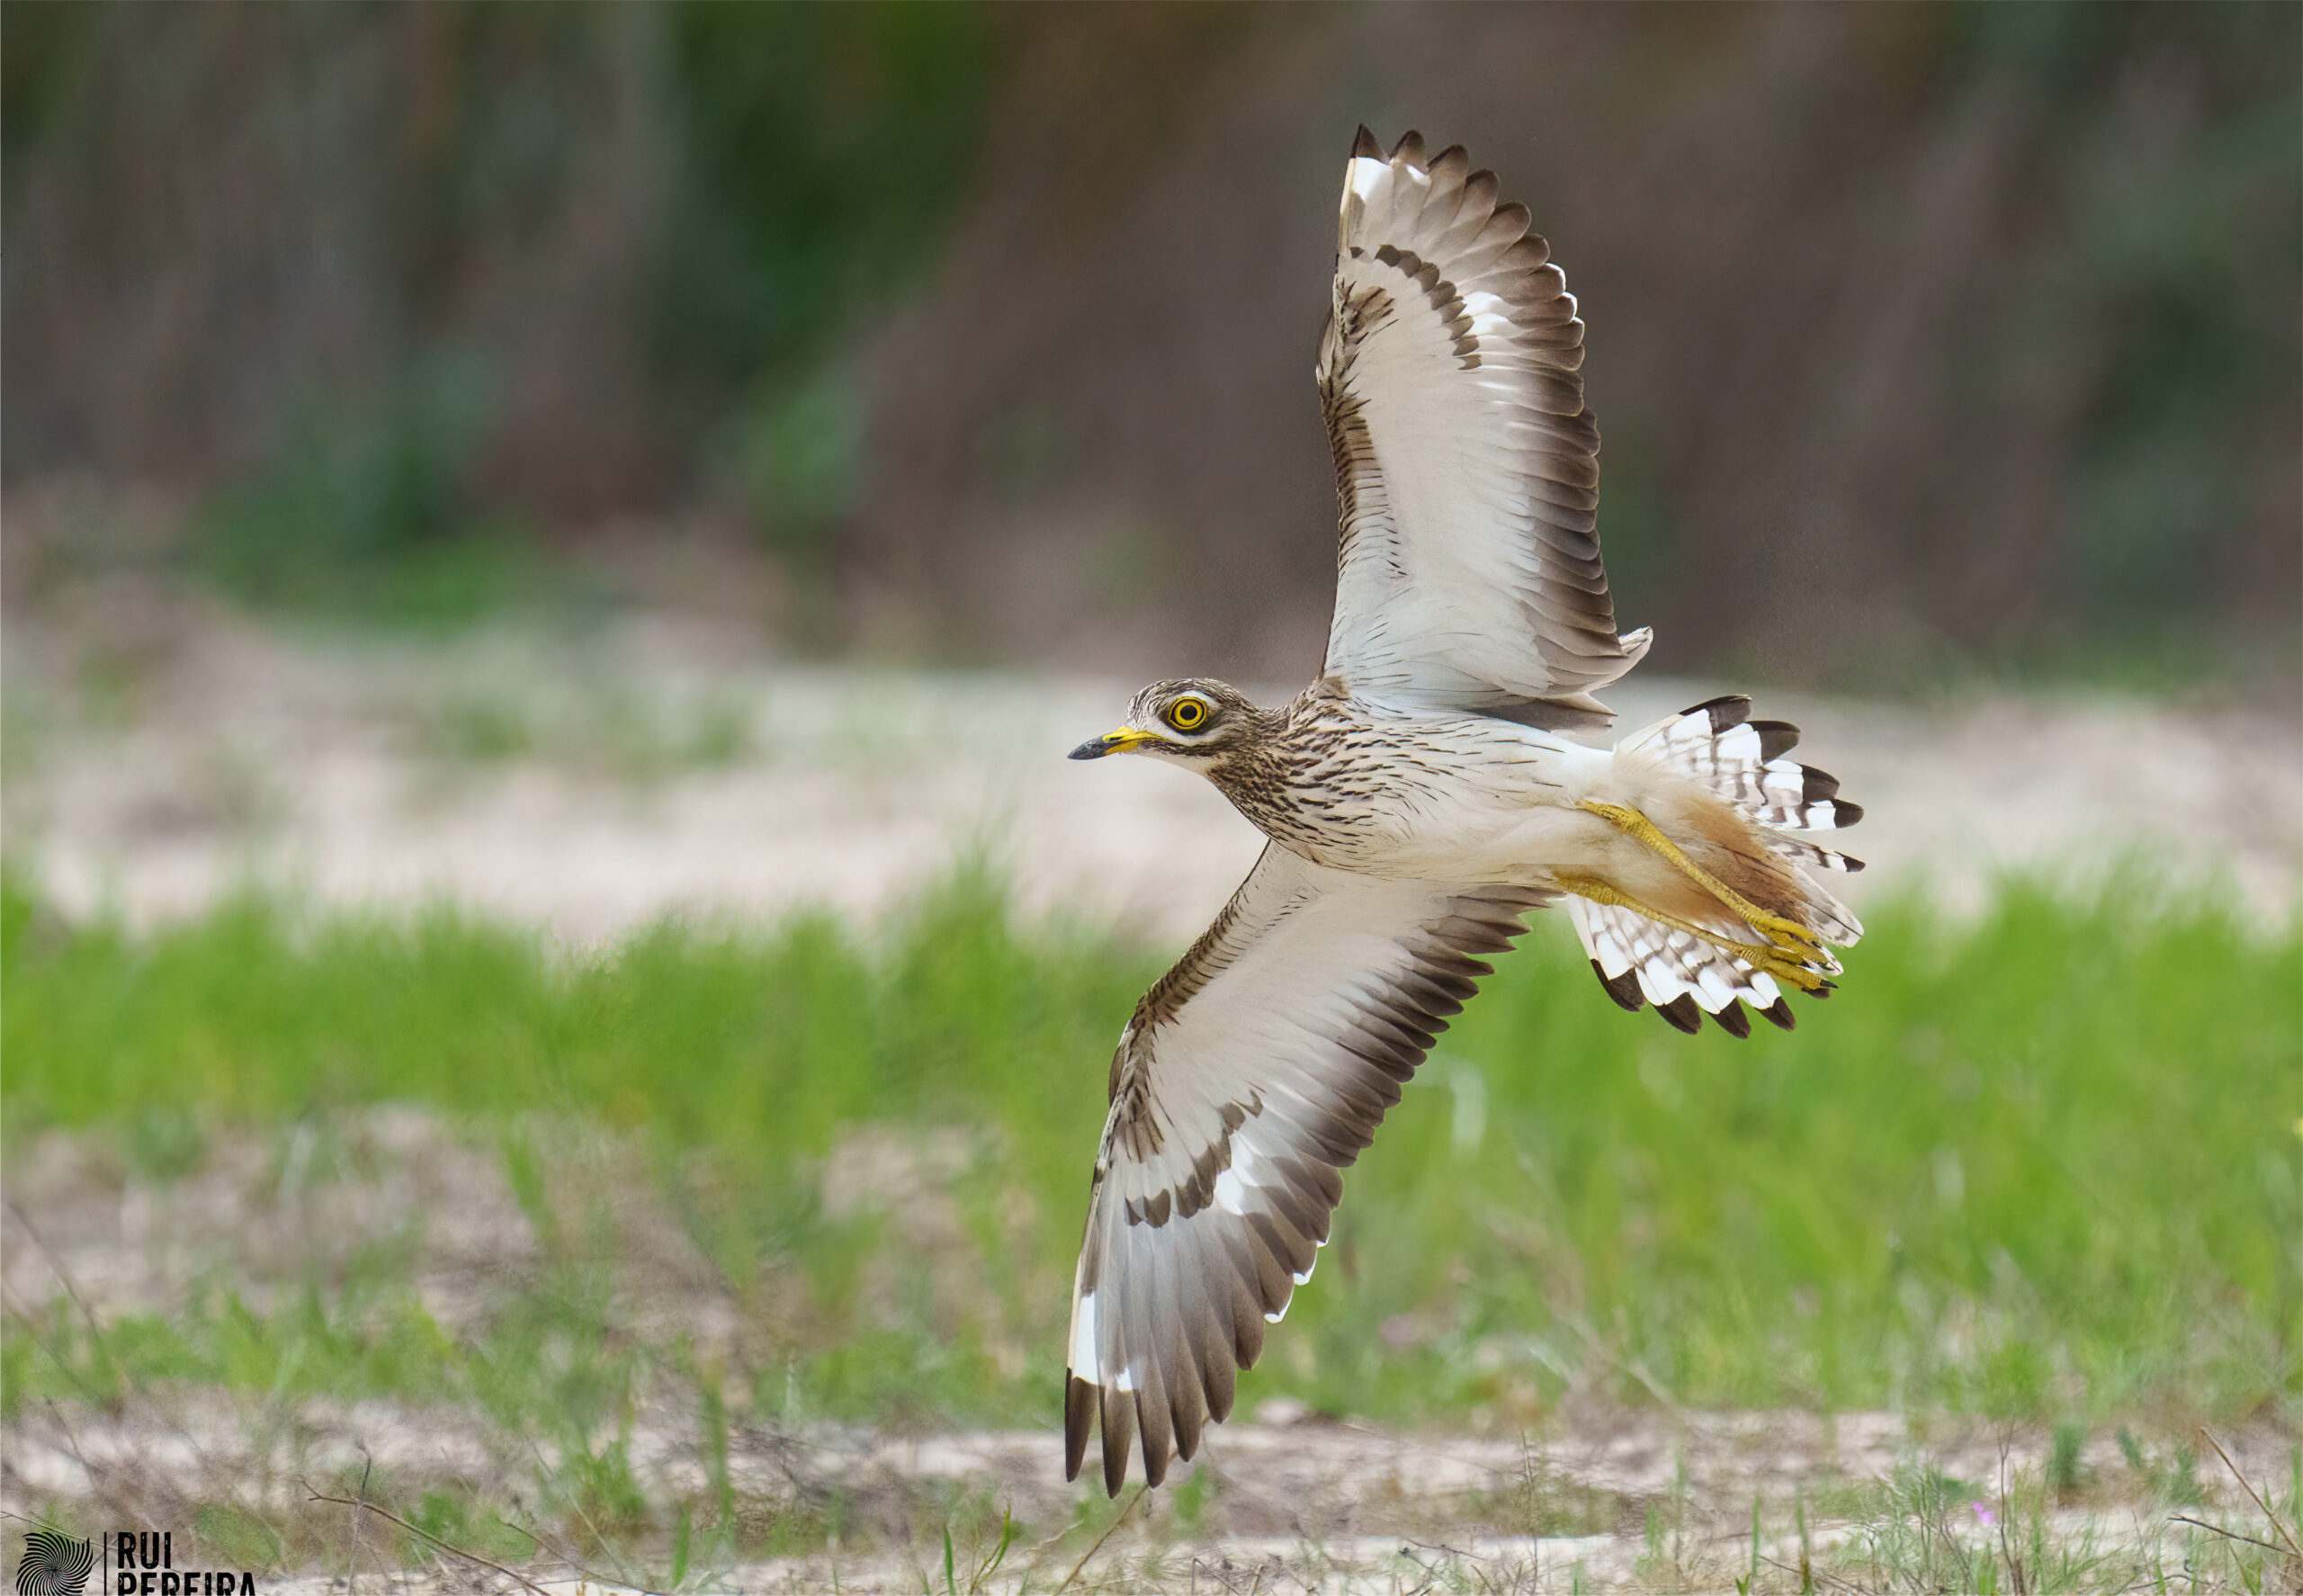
(2042, 1166)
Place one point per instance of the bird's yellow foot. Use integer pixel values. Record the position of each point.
(1789, 936)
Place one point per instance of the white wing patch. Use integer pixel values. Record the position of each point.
(1368, 178)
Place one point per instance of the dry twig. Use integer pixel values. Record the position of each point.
(1118, 1519)
(2293, 1550)
(2219, 1529)
(313, 1495)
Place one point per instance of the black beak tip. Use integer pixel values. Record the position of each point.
(1095, 747)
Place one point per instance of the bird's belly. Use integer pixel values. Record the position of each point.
(1473, 833)
(1526, 845)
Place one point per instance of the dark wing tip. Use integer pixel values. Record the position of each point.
(1119, 1429)
(1410, 148)
(1779, 1011)
(1847, 814)
(1078, 1419)
(1365, 145)
(1733, 1020)
(1155, 1464)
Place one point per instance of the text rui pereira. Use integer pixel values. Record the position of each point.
(145, 1565)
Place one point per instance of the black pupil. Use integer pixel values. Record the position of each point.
(1188, 714)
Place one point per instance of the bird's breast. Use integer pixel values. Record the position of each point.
(1424, 800)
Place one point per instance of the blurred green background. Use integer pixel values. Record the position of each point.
(1933, 345)
(1925, 339)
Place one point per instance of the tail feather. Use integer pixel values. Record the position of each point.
(1742, 761)
(1802, 851)
(1643, 962)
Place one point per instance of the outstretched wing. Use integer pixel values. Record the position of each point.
(1466, 466)
(1252, 1072)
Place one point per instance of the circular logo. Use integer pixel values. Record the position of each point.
(54, 1564)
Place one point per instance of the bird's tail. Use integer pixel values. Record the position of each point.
(1685, 971)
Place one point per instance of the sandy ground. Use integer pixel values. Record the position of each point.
(1590, 1496)
(1394, 1513)
(159, 753)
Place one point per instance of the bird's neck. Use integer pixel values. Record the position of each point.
(1263, 775)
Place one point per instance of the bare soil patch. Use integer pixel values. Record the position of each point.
(1590, 1496)
(162, 752)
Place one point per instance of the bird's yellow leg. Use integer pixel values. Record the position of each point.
(1783, 963)
(1788, 934)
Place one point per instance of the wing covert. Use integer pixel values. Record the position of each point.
(1250, 1075)
(1468, 571)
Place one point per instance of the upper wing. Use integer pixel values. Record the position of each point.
(1255, 1070)
(1466, 467)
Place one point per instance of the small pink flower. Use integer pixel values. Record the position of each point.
(1984, 1514)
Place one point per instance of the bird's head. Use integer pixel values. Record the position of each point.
(1196, 723)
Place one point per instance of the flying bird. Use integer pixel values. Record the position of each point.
(1420, 798)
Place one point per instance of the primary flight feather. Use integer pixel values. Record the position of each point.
(1420, 797)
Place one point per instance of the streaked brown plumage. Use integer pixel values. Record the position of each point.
(1420, 797)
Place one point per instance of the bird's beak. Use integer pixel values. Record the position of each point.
(1124, 739)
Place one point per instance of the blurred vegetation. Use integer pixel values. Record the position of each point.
(370, 511)
(956, 313)
(825, 146)
(825, 149)
(776, 172)
(2179, 255)
(2023, 1167)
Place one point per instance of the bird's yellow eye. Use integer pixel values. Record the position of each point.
(1188, 714)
